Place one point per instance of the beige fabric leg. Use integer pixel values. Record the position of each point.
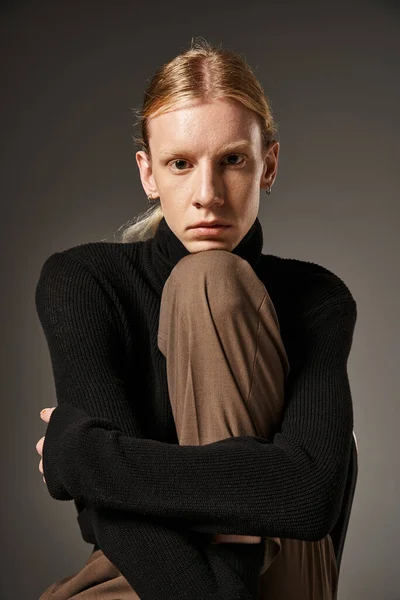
(98, 580)
(227, 366)
(226, 362)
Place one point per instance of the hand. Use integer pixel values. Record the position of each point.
(45, 414)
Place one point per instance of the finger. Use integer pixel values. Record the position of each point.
(39, 446)
(46, 413)
(41, 466)
(44, 480)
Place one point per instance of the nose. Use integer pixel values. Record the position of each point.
(208, 202)
(208, 190)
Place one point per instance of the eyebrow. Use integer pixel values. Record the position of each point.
(226, 148)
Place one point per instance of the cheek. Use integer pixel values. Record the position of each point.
(246, 188)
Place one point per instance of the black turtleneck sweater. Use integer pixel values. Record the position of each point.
(111, 443)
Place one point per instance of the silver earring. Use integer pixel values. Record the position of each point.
(268, 190)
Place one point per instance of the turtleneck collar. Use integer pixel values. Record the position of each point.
(167, 250)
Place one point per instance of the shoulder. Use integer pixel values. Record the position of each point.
(97, 261)
(87, 272)
(307, 283)
(99, 258)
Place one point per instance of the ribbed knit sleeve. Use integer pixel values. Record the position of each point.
(291, 486)
(87, 357)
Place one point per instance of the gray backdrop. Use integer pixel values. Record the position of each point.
(70, 75)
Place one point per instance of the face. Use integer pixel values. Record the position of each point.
(208, 164)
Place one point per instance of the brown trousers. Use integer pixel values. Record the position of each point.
(226, 369)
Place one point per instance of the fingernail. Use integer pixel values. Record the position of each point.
(43, 411)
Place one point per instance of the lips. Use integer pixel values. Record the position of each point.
(209, 225)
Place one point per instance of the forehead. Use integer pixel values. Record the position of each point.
(217, 125)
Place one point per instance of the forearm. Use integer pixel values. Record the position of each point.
(205, 488)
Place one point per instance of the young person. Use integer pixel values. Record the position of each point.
(204, 418)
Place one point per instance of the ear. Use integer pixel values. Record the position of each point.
(146, 173)
(270, 169)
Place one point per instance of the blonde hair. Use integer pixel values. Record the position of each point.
(202, 72)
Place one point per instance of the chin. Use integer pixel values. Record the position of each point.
(204, 245)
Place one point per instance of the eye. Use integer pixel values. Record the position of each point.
(230, 155)
(180, 160)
